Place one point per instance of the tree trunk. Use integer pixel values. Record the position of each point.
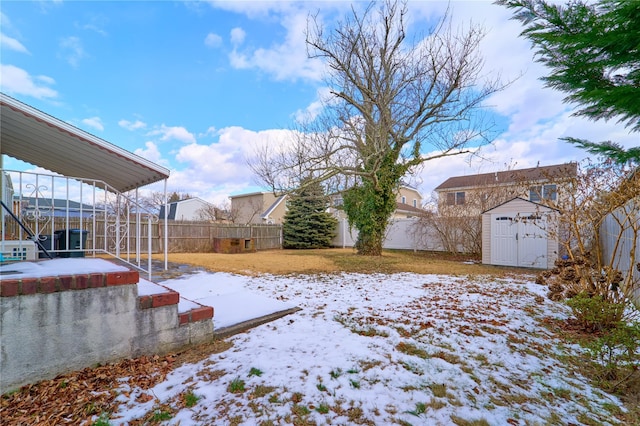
(370, 244)
(369, 208)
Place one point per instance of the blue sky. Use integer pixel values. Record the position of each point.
(196, 86)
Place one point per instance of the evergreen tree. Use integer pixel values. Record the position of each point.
(593, 52)
(307, 224)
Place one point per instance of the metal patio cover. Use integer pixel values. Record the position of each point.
(30, 135)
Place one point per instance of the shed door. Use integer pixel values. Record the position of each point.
(504, 249)
(532, 241)
(519, 240)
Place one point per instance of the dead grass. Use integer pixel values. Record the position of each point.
(284, 262)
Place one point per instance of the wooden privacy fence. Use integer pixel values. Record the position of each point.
(197, 237)
(183, 236)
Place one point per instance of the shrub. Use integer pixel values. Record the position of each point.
(616, 354)
(595, 312)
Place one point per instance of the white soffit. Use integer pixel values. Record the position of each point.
(42, 140)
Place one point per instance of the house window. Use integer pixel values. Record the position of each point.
(415, 203)
(543, 192)
(404, 200)
(455, 198)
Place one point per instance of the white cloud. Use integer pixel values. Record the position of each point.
(135, 125)
(72, 50)
(173, 133)
(96, 23)
(45, 79)
(216, 170)
(211, 131)
(312, 110)
(17, 81)
(94, 28)
(213, 40)
(151, 153)
(285, 61)
(12, 44)
(94, 122)
(237, 36)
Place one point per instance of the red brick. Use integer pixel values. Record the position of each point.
(198, 314)
(164, 299)
(96, 280)
(184, 318)
(122, 278)
(9, 288)
(146, 302)
(47, 285)
(65, 282)
(29, 286)
(81, 282)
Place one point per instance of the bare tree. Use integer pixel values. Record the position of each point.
(599, 226)
(208, 212)
(391, 101)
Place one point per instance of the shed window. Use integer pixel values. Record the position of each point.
(455, 198)
(543, 192)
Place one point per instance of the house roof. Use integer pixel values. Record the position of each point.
(58, 203)
(33, 136)
(273, 206)
(249, 194)
(191, 200)
(543, 173)
(408, 208)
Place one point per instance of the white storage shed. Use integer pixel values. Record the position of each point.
(520, 233)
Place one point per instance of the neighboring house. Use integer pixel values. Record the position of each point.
(258, 208)
(408, 203)
(188, 209)
(480, 192)
(40, 208)
(265, 207)
(6, 189)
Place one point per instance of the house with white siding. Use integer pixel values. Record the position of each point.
(188, 209)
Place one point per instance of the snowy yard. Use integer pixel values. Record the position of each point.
(377, 349)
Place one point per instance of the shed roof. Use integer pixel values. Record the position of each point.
(543, 173)
(31, 135)
(538, 205)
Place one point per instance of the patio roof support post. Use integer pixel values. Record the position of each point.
(138, 226)
(166, 227)
(149, 229)
(118, 224)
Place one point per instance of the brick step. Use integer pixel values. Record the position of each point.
(198, 313)
(34, 285)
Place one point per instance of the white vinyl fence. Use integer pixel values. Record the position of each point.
(619, 234)
(402, 234)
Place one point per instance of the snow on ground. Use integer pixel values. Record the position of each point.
(378, 349)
